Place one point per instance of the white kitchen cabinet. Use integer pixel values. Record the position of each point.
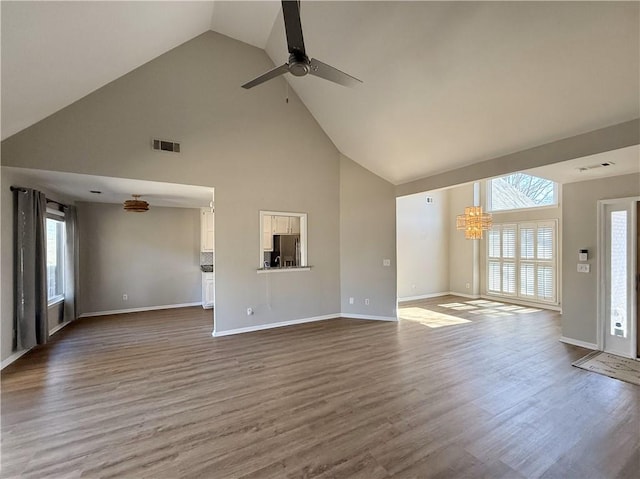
(294, 225)
(280, 225)
(267, 233)
(206, 229)
(208, 290)
(285, 225)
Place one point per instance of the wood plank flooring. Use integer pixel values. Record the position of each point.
(154, 395)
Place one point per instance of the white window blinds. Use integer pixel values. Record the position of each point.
(521, 260)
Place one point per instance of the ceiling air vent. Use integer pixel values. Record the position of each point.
(597, 165)
(164, 145)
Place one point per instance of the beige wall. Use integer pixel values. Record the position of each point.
(367, 236)
(153, 257)
(580, 290)
(463, 253)
(12, 177)
(423, 244)
(259, 152)
(590, 143)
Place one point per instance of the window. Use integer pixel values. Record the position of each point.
(521, 261)
(55, 259)
(520, 191)
(283, 241)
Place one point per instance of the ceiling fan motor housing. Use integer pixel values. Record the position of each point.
(298, 65)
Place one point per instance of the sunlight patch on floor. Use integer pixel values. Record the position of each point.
(429, 318)
(458, 306)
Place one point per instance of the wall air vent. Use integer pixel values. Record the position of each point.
(165, 145)
(597, 165)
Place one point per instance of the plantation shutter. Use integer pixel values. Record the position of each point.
(494, 243)
(521, 260)
(545, 242)
(495, 278)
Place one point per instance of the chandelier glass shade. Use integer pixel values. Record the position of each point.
(136, 205)
(474, 222)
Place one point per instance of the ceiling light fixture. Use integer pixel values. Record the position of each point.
(136, 205)
(474, 222)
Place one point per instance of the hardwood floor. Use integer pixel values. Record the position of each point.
(154, 395)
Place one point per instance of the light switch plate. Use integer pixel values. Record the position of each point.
(584, 268)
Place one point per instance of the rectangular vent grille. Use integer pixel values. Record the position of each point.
(164, 145)
(598, 165)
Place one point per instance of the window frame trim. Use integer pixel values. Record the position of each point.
(304, 259)
(59, 216)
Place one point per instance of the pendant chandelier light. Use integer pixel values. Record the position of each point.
(136, 205)
(474, 222)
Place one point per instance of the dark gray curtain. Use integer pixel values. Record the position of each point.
(30, 269)
(70, 264)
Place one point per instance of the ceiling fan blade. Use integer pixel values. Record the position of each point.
(293, 27)
(267, 76)
(327, 72)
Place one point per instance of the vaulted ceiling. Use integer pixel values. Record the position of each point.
(446, 84)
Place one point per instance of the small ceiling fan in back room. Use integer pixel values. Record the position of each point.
(299, 64)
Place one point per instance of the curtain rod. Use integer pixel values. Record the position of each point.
(24, 190)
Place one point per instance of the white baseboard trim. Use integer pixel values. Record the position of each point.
(13, 358)
(464, 295)
(18, 354)
(260, 327)
(519, 302)
(368, 317)
(137, 310)
(577, 342)
(423, 296)
(59, 327)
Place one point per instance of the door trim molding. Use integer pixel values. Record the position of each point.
(601, 270)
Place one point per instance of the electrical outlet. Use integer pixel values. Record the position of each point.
(125, 297)
(366, 301)
(584, 268)
(351, 300)
(249, 311)
(386, 262)
(468, 285)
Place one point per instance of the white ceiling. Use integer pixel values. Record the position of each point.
(446, 84)
(77, 187)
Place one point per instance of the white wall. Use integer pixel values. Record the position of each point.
(9, 177)
(580, 290)
(153, 257)
(367, 237)
(423, 244)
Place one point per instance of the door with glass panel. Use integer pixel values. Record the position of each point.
(619, 278)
